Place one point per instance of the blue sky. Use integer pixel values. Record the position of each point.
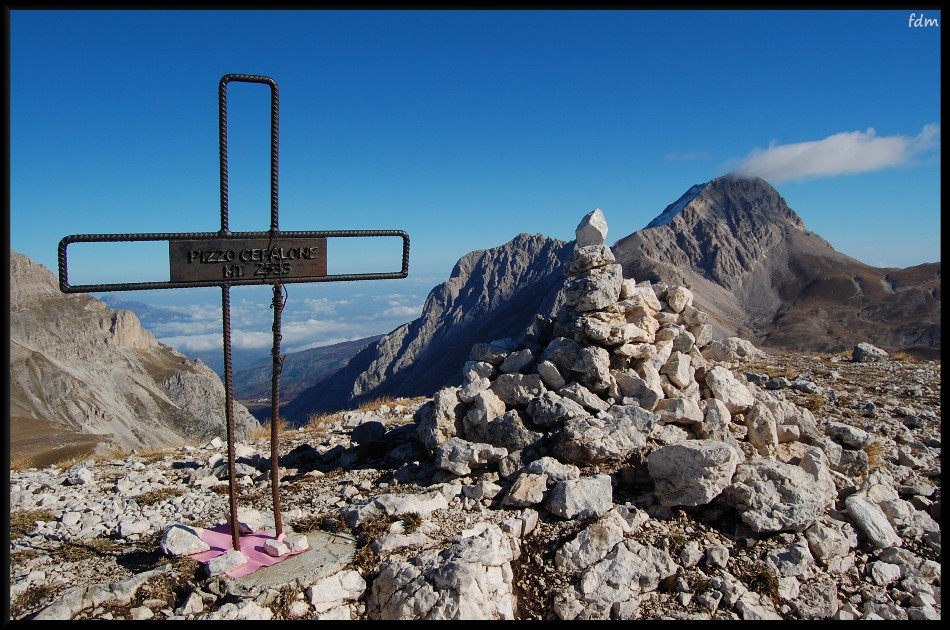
(463, 128)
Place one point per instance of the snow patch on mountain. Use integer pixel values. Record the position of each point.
(676, 207)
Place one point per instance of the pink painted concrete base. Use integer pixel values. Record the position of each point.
(252, 546)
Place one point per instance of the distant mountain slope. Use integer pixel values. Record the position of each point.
(302, 370)
(490, 294)
(759, 273)
(82, 373)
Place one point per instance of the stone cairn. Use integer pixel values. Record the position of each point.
(627, 372)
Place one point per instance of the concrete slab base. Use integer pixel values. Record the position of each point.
(327, 555)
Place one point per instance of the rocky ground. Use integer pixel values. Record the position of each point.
(107, 529)
(614, 462)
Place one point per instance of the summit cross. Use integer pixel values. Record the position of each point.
(226, 259)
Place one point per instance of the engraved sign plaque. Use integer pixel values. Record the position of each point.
(264, 259)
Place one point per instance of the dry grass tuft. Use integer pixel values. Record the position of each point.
(34, 596)
(21, 462)
(312, 522)
(906, 357)
(776, 372)
(676, 543)
(155, 496)
(875, 453)
(373, 528)
(283, 602)
(762, 580)
(411, 522)
(667, 584)
(79, 551)
(365, 560)
(23, 555)
(813, 402)
(263, 432)
(22, 522)
(376, 403)
(118, 452)
(68, 462)
(149, 455)
(320, 422)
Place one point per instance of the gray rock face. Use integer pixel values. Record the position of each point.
(470, 579)
(589, 440)
(692, 473)
(592, 544)
(615, 582)
(872, 522)
(592, 230)
(772, 496)
(64, 353)
(730, 349)
(581, 498)
(726, 388)
(735, 242)
(490, 294)
(439, 421)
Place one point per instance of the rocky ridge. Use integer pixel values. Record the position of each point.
(759, 273)
(85, 368)
(747, 257)
(614, 463)
(489, 293)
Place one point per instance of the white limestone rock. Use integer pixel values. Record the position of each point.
(871, 522)
(581, 498)
(182, 540)
(691, 473)
(592, 230)
(726, 387)
(773, 496)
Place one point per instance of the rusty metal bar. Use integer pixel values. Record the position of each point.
(66, 287)
(225, 232)
(278, 366)
(223, 139)
(229, 414)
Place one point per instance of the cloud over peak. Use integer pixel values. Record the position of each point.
(839, 154)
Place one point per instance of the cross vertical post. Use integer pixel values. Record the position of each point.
(278, 366)
(226, 300)
(225, 259)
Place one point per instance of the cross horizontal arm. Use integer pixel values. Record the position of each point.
(236, 237)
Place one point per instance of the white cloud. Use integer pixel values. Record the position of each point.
(307, 322)
(838, 154)
(180, 329)
(194, 343)
(399, 310)
(250, 340)
(323, 305)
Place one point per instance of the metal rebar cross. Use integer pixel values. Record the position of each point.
(226, 259)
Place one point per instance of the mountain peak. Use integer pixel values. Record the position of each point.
(727, 198)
